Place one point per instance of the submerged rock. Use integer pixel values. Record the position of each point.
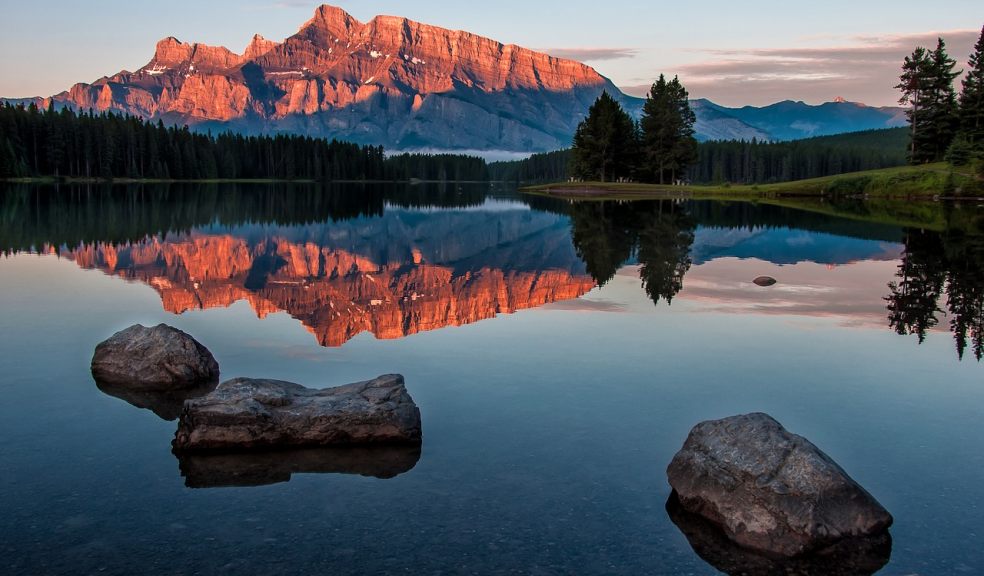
(160, 358)
(765, 281)
(210, 470)
(166, 404)
(244, 414)
(770, 490)
(849, 557)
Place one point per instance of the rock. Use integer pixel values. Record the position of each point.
(245, 414)
(765, 281)
(770, 490)
(161, 358)
(166, 404)
(211, 470)
(848, 557)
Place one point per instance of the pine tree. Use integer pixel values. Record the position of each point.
(916, 93)
(972, 98)
(667, 131)
(605, 142)
(943, 117)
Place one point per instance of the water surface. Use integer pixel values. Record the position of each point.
(559, 355)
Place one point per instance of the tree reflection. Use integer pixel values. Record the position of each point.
(658, 235)
(913, 303)
(934, 264)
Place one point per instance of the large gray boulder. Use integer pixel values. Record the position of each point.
(161, 358)
(245, 414)
(770, 490)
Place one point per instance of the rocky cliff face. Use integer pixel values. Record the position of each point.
(390, 81)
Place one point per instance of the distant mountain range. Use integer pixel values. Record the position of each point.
(790, 120)
(406, 85)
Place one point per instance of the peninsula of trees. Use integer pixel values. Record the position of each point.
(610, 146)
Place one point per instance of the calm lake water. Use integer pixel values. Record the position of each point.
(551, 406)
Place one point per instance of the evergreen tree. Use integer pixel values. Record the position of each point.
(667, 131)
(972, 98)
(605, 142)
(916, 93)
(927, 87)
(943, 115)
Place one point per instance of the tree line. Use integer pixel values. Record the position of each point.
(748, 162)
(943, 125)
(63, 143)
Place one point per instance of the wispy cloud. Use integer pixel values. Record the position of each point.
(596, 54)
(283, 4)
(862, 68)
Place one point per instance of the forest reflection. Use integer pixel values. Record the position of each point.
(658, 234)
(941, 277)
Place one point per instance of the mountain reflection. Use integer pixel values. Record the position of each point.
(366, 259)
(397, 260)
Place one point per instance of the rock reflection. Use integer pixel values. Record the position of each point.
(167, 405)
(206, 470)
(859, 557)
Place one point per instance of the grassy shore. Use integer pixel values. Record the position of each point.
(926, 182)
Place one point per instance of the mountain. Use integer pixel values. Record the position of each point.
(790, 120)
(713, 123)
(409, 86)
(391, 81)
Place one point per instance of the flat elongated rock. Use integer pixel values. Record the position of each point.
(245, 414)
(161, 358)
(770, 490)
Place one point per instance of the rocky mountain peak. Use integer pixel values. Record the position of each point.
(329, 23)
(258, 46)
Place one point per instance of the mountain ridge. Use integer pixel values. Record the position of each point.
(399, 83)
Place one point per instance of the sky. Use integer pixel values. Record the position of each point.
(735, 53)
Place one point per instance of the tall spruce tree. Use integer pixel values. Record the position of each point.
(927, 87)
(605, 142)
(668, 146)
(916, 93)
(972, 98)
(943, 115)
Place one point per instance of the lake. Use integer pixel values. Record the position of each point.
(559, 353)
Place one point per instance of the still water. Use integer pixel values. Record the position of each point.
(559, 353)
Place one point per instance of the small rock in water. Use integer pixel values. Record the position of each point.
(770, 490)
(244, 414)
(161, 358)
(765, 281)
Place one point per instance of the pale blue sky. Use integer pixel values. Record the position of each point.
(733, 52)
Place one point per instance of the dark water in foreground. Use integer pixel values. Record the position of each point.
(550, 406)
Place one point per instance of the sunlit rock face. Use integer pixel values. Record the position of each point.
(390, 277)
(390, 81)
